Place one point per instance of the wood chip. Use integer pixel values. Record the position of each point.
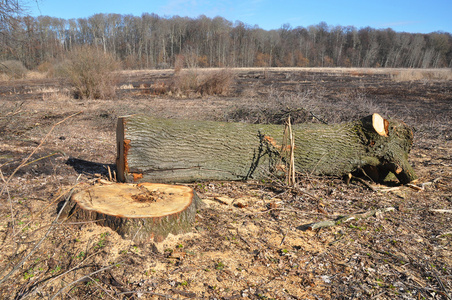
(224, 200)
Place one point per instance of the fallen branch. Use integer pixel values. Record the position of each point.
(367, 184)
(344, 219)
(441, 210)
(83, 278)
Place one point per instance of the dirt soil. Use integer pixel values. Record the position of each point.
(251, 240)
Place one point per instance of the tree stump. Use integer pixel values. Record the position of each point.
(139, 212)
(162, 150)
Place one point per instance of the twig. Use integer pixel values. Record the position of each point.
(54, 223)
(281, 184)
(42, 210)
(149, 293)
(242, 238)
(16, 110)
(399, 258)
(292, 178)
(318, 118)
(435, 273)
(9, 201)
(95, 282)
(343, 219)
(284, 236)
(441, 210)
(83, 278)
(41, 158)
(24, 162)
(36, 149)
(364, 182)
(109, 173)
(78, 266)
(442, 286)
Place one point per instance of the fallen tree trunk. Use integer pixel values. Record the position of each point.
(162, 150)
(143, 212)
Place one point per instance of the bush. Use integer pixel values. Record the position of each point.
(203, 83)
(91, 73)
(46, 68)
(13, 69)
(216, 82)
(185, 82)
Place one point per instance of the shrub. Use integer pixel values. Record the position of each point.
(13, 69)
(216, 82)
(46, 68)
(91, 73)
(204, 83)
(178, 63)
(185, 82)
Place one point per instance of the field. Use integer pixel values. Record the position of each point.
(250, 239)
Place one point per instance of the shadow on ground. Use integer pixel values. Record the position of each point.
(86, 167)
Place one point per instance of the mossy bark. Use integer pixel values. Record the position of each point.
(169, 150)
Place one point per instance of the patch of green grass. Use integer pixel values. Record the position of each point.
(219, 266)
(357, 227)
(29, 274)
(101, 242)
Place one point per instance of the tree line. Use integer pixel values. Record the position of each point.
(151, 41)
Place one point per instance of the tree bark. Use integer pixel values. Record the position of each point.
(162, 150)
(137, 212)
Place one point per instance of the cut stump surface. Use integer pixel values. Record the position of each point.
(140, 212)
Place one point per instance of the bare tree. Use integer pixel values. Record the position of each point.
(10, 11)
(151, 41)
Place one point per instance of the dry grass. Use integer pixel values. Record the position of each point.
(35, 75)
(57, 96)
(192, 82)
(420, 74)
(258, 250)
(4, 77)
(12, 69)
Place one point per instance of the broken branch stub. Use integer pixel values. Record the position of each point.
(380, 125)
(169, 150)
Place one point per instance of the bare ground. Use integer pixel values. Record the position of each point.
(257, 245)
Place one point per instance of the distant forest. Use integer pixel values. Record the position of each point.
(151, 41)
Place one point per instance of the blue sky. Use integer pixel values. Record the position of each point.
(416, 16)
